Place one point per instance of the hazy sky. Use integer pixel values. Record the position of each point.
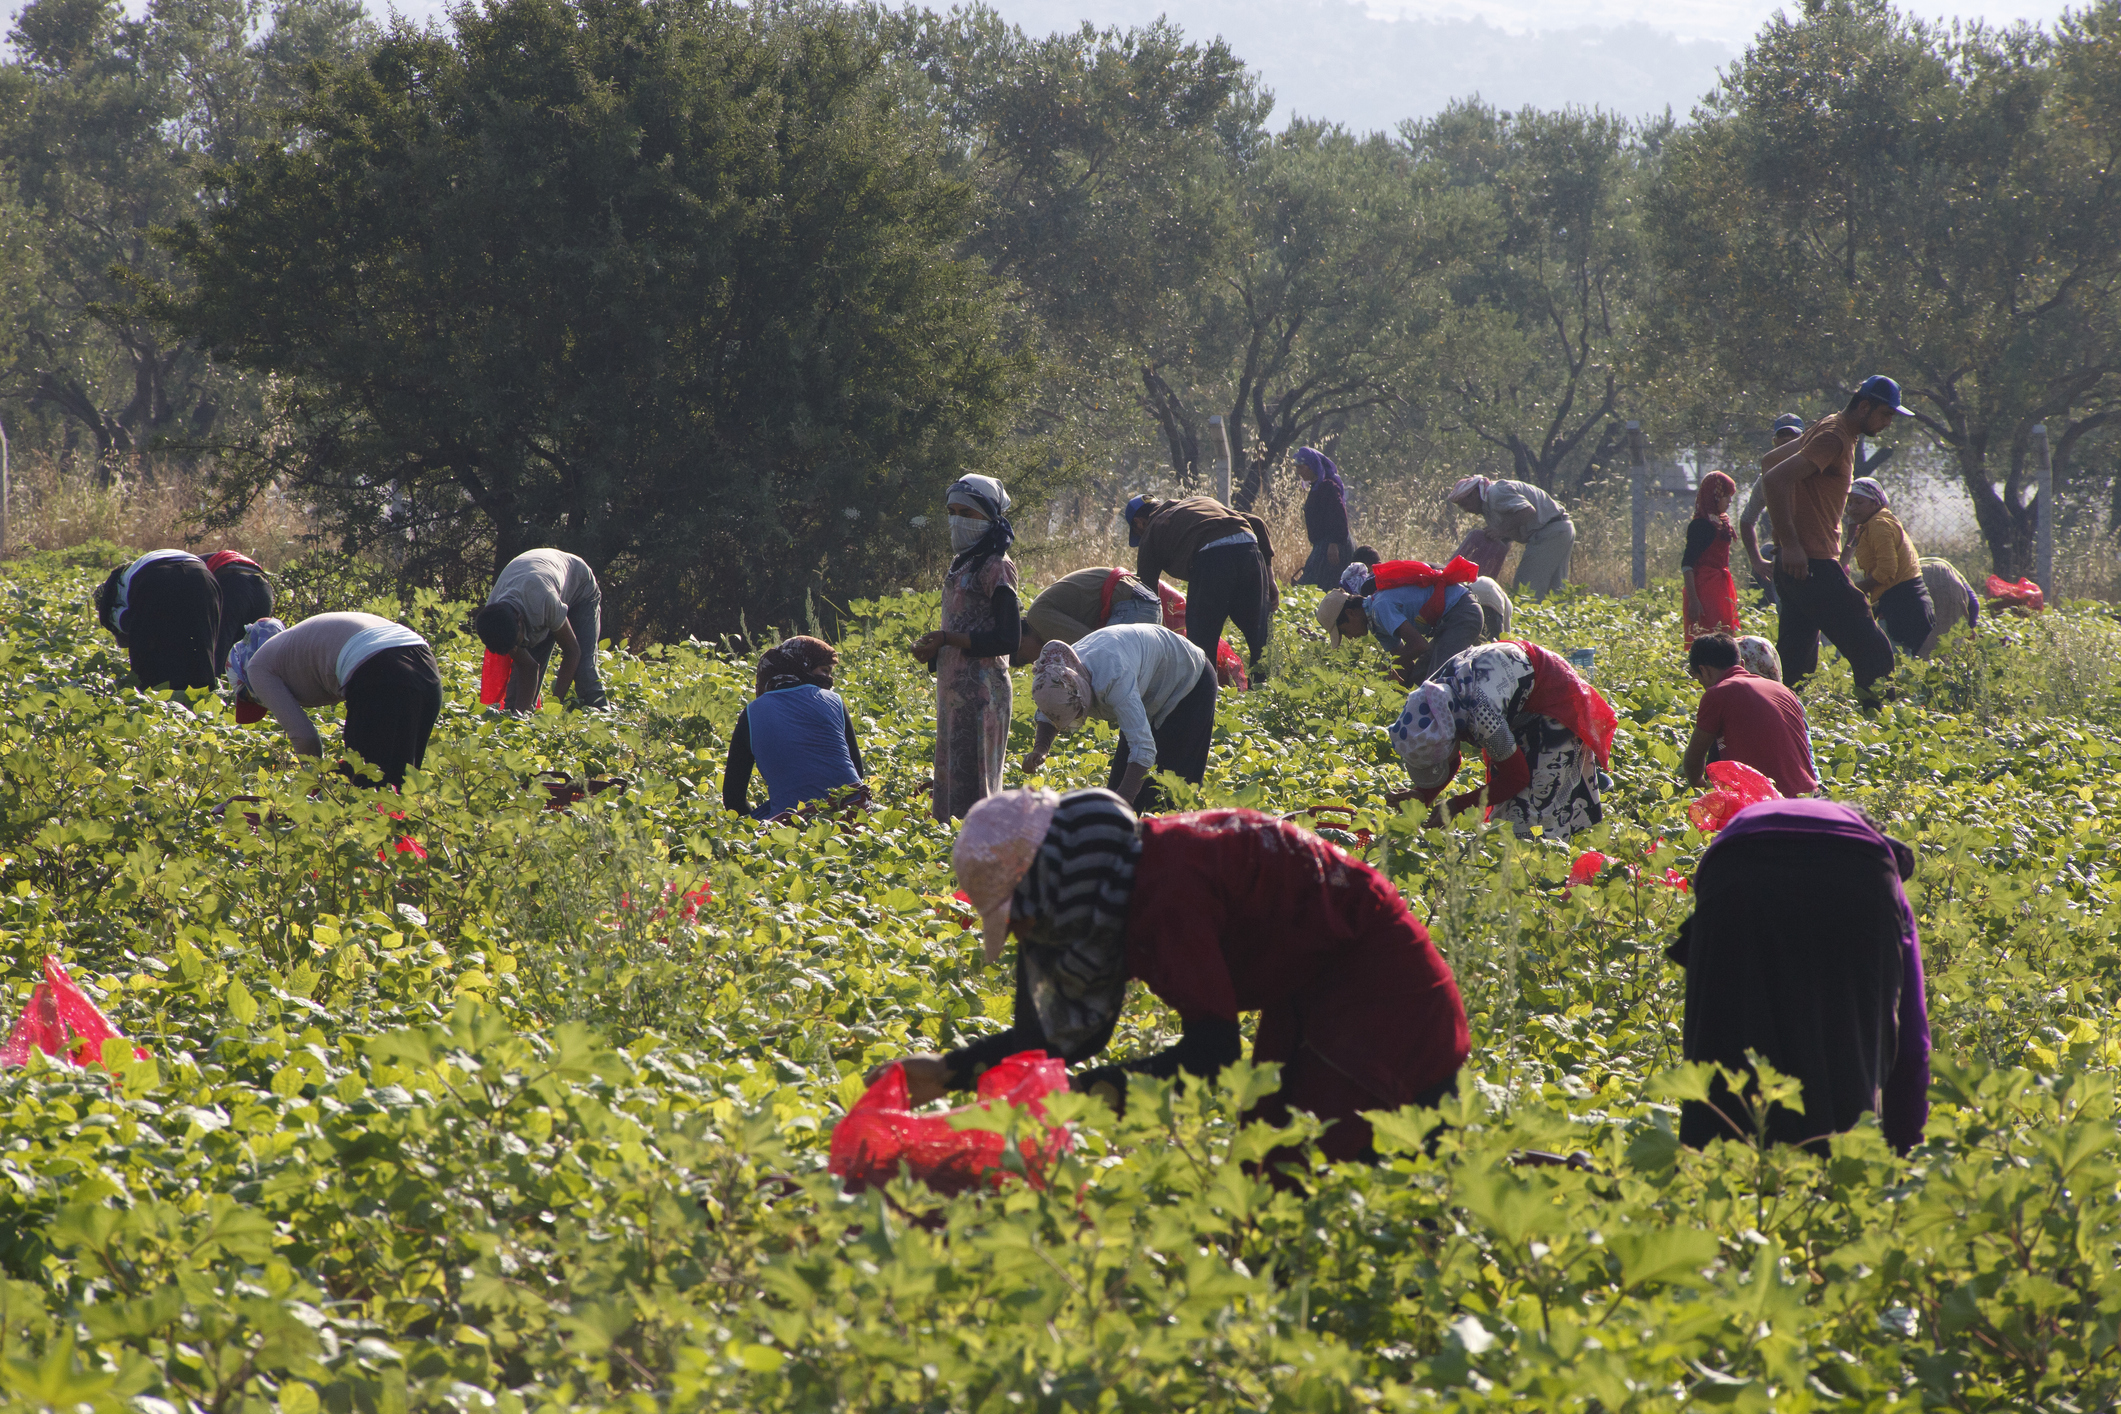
(1371, 63)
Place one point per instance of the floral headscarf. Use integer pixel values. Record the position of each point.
(1426, 736)
(1061, 686)
(996, 844)
(794, 662)
(255, 635)
(1868, 487)
(1704, 497)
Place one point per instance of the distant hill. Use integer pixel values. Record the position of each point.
(1330, 59)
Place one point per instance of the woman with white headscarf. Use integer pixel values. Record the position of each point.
(1156, 687)
(1216, 913)
(970, 652)
(1545, 732)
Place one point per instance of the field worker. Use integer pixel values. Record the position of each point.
(1423, 614)
(1496, 610)
(246, 597)
(1226, 558)
(1156, 687)
(1217, 913)
(1951, 596)
(1887, 568)
(1710, 594)
(384, 673)
(1746, 718)
(165, 611)
(1788, 428)
(1759, 657)
(1084, 602)
(543, 597)
(1325, 518)
(796, 730)
(1545, 732)
(1806, 484)
(1519, 511)
(1802, 948)
(970, 652)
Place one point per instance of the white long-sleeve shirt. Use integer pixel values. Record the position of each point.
(1138, 674)
(1517, 508)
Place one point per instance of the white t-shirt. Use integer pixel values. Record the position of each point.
(542, 585)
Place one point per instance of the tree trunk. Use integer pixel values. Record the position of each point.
(2006, 529)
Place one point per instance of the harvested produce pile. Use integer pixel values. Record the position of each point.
(500, 1106)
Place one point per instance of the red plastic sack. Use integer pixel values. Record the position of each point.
(1229, 668)
(2025, 594)
(56, 1008)
(1174, 608)
(1737, 786)
(879, 1132)
(494, 674)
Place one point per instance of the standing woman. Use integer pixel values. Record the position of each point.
(165, 611)
(970, 652)
(1711, 593)
(246, 597)
(1544, 731)
(1217, 912)
(1325, 518)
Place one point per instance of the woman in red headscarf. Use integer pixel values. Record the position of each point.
(1705, 569)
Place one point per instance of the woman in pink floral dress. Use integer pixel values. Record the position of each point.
(970, 652)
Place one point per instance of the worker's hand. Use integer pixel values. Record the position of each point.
(1033, 760)
(927, 1078)
(1795, 563)
(1396, 798)
(929, 644)
(1762, 570)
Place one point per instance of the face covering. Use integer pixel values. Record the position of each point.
(965, 532)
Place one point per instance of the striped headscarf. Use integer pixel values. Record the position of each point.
(1070, 910)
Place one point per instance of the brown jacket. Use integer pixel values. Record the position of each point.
(1178, 528)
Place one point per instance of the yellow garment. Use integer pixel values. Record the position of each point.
(1884, 552)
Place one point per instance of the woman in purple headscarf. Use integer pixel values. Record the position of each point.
(1325, 518)
(1802, 947)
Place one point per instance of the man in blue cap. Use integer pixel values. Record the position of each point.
(1226, 558)
(1806, 486)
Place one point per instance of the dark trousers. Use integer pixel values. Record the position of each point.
(1908, 614)
(392, 701)
(1826, 602)
(1182, 740)
(1793, 951)
(172, 618)
(586, 619)
(246, 597)
(1229, 584)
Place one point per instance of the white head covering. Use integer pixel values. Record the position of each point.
(1061, 686)
(1425, 736)
(1760, 657)
(1353, 574)
(1468, 483)
(988, 490)
(994, 850)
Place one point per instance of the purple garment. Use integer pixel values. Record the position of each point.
(1905, 1104)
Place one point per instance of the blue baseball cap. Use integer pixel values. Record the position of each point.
(1881, 389)
(1134, 508)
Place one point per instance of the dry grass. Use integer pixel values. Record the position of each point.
(54, 508)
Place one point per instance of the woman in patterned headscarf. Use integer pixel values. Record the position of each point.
(970, 652)
(797, 731)
(1216, 912)
(1544, 731)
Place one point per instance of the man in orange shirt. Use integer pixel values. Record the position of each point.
(1806, 485)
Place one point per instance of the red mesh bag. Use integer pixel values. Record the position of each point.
(60, 1020)
(880, 1132)
(1229, 668)
(1737, 786)
(1174, 608)
(2024, 594)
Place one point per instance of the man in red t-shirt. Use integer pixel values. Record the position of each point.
(1747, 718)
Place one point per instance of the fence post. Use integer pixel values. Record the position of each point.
(1642, 505)
(2044, 543)
(5, 488)
(1222, 465)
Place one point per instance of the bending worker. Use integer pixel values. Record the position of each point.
(1802, 949)
(165, 611)
(384, 673)
(1544, 732)
(1520, 511)
(1226, 558)
(1746, 718)
(1217, 913)
(246, 597)
(1887, 569)
(1157, 688)
(1084, 602)
(796, 730)
(1423, 614)
(543, 597)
